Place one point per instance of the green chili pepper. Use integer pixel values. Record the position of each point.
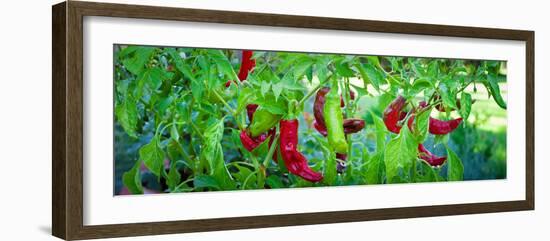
(334, 122)
(262, 121)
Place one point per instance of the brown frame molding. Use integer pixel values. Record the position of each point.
(67, 121)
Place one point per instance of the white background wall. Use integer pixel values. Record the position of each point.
(25, 120)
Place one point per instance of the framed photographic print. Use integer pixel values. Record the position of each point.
(172, 120)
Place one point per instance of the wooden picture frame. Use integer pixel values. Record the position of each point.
(67, 123)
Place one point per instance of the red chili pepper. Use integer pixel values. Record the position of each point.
(353, 125)
(250, 143)
(393, 114)
(430, 158)
(439, 127)
(247, 64)
(295, 162)
(250, 109)
(350, 126)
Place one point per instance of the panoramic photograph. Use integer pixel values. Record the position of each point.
(202, 119)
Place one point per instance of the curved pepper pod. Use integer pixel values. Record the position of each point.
(353, 125)
(440, 127)
(334, 122)
(251, 143)
(393, 114)
(430, 158)
(247, 64)
(295, 162)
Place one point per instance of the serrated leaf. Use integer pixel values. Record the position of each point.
(465, 105)
(132, 179)
(455, 169)
(400, 152)
(153, 156)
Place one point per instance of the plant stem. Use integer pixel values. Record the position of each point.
(272, 149)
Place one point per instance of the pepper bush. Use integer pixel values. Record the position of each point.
(191, 107)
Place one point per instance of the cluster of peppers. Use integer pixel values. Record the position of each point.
(328, 104)
(329, 122)
(262, 126)
(394, 115)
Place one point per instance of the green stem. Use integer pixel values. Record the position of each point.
(220, 98)
(313, 91)
(271, 151)
(248, 178)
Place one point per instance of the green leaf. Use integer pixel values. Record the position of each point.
(183, 68)
(301, 66)
(421, 125)
(421, 84)
(174, 133)
(174, 177)
(265, 87)
(399, 154)
(153, 156)
(374, 61)
(455, 169)
(447, 96)
(205, 181)
(153, 77)
(380, 132)
(372, 175)
(140, 57)
(370, 74)
(492, 85)
(274, 182)
(344, 70)
(127, 116)
(132, 179)
(465, 105)
(223, 63)
(277, 89)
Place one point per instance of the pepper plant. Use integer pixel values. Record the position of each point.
(213, 119)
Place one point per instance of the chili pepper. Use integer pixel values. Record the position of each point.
(430, 158)
(353, 125)
(250, 143)
(262, 121)
(436, 126)
(295, 162)
(334, 122)
(440, 127)
(319, 104)
(250, 109)
(321, 129)
(393, 114)
(247, 64)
